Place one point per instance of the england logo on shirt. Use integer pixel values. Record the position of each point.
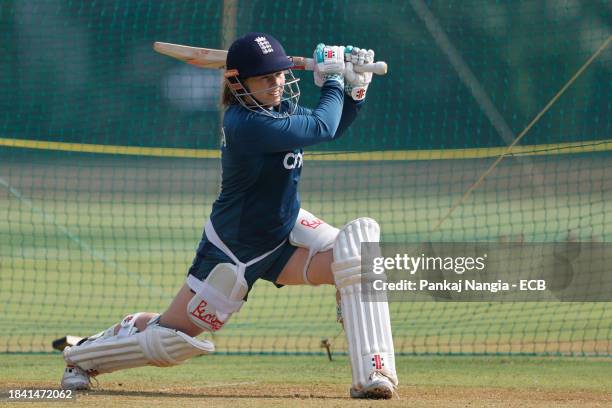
(264, 44)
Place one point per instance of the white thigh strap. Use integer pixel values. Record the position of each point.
(156, 345)
(213, 237)
(313, 234)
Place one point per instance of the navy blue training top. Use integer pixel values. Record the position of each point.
(262, 159)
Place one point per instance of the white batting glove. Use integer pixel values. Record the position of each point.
(356, 83)
(329, 64)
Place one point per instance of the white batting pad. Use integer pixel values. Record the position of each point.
(367, 324)
(156, 345)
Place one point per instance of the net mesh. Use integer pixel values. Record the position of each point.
(108, 163)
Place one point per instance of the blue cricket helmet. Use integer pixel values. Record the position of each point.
(257, 54)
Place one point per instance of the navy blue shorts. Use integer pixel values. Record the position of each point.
(268, 268)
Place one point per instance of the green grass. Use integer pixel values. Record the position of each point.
(503, 372)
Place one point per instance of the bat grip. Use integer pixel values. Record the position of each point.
(378, 68)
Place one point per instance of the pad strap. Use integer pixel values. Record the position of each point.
(128, 325)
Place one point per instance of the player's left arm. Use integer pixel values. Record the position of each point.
(355, 86)
(349, 113)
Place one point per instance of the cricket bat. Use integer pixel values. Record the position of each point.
(215, 59)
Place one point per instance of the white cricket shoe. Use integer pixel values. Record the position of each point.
(380, 387)
(75, 379)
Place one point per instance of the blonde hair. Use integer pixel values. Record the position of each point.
(227, 97)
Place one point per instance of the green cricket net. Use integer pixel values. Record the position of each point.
(109, 163)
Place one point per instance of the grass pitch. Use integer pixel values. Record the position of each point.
(313, 381)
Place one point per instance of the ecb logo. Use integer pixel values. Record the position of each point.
(293, 161)
(264, 44)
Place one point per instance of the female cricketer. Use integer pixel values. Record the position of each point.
(257, 229)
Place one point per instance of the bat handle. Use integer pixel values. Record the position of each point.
(378, 68)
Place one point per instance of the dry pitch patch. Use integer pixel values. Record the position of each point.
(254, 394)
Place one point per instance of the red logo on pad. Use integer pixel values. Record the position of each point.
(210, 319)
(311, 224)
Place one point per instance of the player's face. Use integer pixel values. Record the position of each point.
(267, 89)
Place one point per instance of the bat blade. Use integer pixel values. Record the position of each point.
(215, 59)
(200, 57)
